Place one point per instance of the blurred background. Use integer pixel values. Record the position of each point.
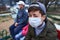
(9, 7)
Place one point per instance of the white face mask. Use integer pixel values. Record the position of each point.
(35, 22)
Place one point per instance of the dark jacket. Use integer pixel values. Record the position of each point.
(22, 20)
(48, 33)
(22, 16)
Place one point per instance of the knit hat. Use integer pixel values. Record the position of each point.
(20, 2)
(40, 5)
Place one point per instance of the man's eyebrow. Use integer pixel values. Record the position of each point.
(34, 14)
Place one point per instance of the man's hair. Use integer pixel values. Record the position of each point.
(34, 8)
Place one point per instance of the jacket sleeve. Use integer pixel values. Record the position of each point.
(18, 17)
(25, 30)
(23, 18)
(28, 36)
(51, 33)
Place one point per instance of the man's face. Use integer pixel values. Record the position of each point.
(21, 6)
(36, 14)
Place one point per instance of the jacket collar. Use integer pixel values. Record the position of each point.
(43, 33)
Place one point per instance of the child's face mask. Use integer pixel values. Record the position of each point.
(35, 22)
(35, 19)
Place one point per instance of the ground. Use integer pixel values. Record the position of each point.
(5, 23)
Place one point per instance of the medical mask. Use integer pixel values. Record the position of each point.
(35, 22)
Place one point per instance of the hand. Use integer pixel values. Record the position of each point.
(16, 24)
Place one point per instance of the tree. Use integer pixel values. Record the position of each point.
(45, 2)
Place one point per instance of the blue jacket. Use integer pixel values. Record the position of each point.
(22, 20)
(22, 16)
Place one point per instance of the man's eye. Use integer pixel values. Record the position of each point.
(35, 16)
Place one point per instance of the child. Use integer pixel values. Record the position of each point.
(40, 28)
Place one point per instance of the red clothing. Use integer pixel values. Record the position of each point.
(58, 34)
(25, 30)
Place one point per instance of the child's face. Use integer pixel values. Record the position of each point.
(36, 14)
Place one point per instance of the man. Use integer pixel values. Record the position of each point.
(21, 20)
